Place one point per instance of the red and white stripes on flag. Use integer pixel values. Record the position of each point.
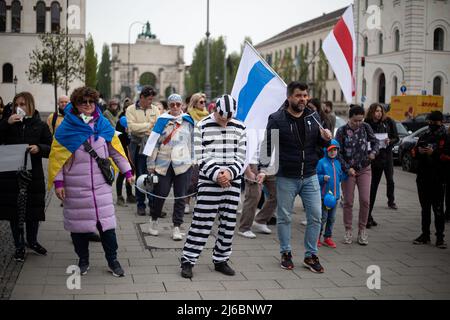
(340, 49)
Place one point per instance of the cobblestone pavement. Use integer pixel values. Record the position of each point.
(152, 263)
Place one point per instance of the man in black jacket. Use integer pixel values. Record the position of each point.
(299, 135)
(432, 154)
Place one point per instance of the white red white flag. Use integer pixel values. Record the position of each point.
(340, 49)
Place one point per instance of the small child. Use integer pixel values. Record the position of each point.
(330, 175)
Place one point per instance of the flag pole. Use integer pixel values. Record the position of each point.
(264, 61)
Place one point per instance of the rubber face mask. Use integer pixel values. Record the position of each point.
(86, 118)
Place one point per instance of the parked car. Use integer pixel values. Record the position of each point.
(402, 132)
(420, 121)
(407, 161)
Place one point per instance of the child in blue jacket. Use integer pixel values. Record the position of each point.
(330, 175)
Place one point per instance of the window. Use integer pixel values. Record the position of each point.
(342, 96)
(364, 87)
(366, 6)
(7, 73)
(56, 16)
(437, 86)
(314, 47)
(307, 50)
(334, 95)
(366, 46)
(397, 40)
(46, 75)
(326, 94)
(438, 39)
(381, 3)
(296, 52)
(313, 78)
(2, 16)
(16, 9)
(326, 71)
(394, 86)
(40, 17)
(380, 43)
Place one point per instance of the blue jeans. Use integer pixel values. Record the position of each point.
(309, 190)
(140, 163)
(328, 219)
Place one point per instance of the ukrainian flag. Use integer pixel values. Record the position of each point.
(71, 134)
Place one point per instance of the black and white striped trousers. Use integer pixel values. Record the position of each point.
(213, 199)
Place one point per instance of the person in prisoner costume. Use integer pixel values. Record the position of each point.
(220, 144)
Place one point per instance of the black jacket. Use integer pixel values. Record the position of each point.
(296, 158)
(387, 126)
(31, 131)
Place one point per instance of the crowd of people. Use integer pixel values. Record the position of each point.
(199, 151)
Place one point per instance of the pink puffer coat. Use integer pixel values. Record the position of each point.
(89, 198)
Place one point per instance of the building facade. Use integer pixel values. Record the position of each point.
(403, 42)
(147, 62)
(21, 23)
(297, 50)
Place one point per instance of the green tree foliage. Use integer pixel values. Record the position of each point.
(59, 58)
(104, 73)
(321, 75)
(91, 63)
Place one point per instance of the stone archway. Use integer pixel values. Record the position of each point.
(147, 79)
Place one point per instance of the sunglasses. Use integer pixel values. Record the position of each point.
(175, 104)
(87, 102)
(202, 102)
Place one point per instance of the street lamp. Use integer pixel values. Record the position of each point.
(207, 82)
(15, 85)
(129, 45)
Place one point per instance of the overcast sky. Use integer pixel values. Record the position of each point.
(183, 22)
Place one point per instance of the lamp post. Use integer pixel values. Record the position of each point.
(129, 45)
(15, 85)
(207, 82)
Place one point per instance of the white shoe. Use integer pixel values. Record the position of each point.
(262, 228)
(177, 235)
(304, 222)
(363, 237)
(348, 237)
(187, 208)
(153, 229)
(247, 234)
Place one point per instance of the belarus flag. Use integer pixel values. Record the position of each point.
(340, 49)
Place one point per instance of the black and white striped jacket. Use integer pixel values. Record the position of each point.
(219, 148)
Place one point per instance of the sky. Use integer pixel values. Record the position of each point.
(183, 22)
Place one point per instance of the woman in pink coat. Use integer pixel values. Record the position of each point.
(79, 183)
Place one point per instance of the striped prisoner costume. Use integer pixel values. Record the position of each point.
(216, 148)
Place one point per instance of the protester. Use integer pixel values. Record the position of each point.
(122, 127)
(55, 118)
(433, 156)
(447, 183)
(141, 118)
(78, 178)
(220, 149)
(112, 112)
(328, 109)
(171, 160)
(315, 105)
(354, 139)
(24, 126)
(299, 136)
(2, 107)
(385, 130)
(330, 175)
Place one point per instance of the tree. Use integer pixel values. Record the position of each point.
(91, 63)
(104, 74)
(287, 66)
(59, 59)
(321, 75)
(302, 65)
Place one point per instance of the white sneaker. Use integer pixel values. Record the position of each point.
(348, 237)
(247, 234)
(304, 222)
(177, 235)
(153, 229)
(363, 237)
(262, 228)
(187, 209)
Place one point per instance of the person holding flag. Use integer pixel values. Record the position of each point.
(170, 155)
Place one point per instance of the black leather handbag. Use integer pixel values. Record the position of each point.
(104, 165)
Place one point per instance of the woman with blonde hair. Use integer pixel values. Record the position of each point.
(197, 107)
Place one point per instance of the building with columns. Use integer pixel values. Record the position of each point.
(147, 62)
(404, 42)
(21, 22)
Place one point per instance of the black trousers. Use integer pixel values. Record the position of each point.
(180, 186)
(431, 195)
(386, 166)
(447, 197)
(31, 231)
(109, 243)
(119, 184)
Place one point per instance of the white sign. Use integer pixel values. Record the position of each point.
(13, 157)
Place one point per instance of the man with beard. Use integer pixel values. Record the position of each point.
(299, 136)
(432, 153)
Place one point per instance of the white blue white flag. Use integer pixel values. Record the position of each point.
(259, 92)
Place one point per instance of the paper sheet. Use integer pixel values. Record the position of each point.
(382, 139)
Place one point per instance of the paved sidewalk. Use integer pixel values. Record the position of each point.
(152, 263)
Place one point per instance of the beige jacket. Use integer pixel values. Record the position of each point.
(140, 122)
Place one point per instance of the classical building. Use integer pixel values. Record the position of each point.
(21, 22)
(408, 44)
(298, 49)
(147, 62)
